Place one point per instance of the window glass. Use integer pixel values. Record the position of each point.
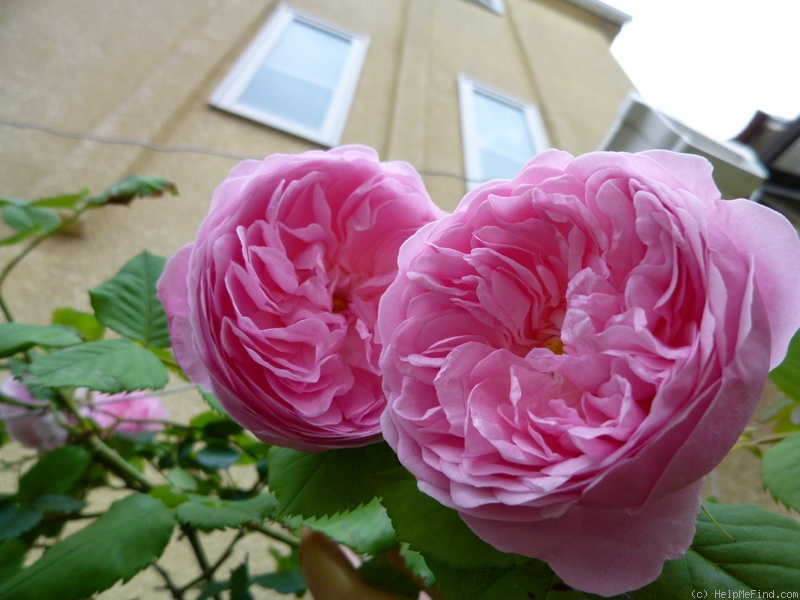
(499, 134)
(502, 136)
(299, 75)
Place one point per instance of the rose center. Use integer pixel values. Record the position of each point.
(555, 345)
(339, 303)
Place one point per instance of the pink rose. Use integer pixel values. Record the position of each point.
(129, 413)
(573, 350)
(273, 307)
(35, 427)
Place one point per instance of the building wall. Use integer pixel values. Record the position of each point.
(93, 90)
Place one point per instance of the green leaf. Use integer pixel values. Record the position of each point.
(66, 201)
(217, 426)
(123, 541)
(787, 374)
(16, 520)
(125, 191)
(240, 583)
(31, 219)
(780, 471)
(17, 337)
(285, 582)
(54, 473)
(12, 557)
(747, 548)
(58, 503)
(212, 401)
(207, 513)
(86, 323)
(434, 530)
(326, 483)
(380, 573)
(182, 479)
(110, 366)
(217, 456)
(128, 303)
(534, 579)
(170, 498)
(365, 530)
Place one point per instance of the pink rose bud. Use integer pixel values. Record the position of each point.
(570, 352)
(130, 413)
(273, 306)
(35, 427)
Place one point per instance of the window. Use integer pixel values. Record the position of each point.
(499, 134)
(495, 5)
(298, 75)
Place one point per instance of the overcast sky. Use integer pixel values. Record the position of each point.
(712, 63)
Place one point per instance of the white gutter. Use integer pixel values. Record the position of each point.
(604, 11)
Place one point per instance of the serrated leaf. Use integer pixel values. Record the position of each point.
(130, 188)
(128, 304)
(54, 473)
(780, 471)
(365, 530)
(787, 374)
(110, 366)
(744, 548)
(86, 323)
(326, 483)
(212, 401)
(435, 531)
(208, 514)
(17, 337)
(116, 546)
(16, 520)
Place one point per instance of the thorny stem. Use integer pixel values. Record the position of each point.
(753, 444)
(287, 539)
(200, 554)
(176, 592)
(121, 467)
(219, 562)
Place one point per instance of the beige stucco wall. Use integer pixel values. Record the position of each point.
(142, 71)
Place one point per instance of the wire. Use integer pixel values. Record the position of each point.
(168, 149)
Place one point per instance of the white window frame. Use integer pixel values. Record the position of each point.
(493, 5)
(226, 96)
(533, 120)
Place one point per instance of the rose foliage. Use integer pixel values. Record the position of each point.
(517, 400)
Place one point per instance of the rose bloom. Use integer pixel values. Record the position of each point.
(35, 427)
(273, 306)
(571, 351)
(127, 413)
